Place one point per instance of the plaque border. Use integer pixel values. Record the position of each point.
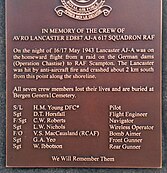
(95, 167)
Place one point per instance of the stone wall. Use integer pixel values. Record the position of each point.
(3, 110)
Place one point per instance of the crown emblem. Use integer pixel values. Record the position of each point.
(83, 9)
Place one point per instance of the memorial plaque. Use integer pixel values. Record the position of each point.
(84, 83)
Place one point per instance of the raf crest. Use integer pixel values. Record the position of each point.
(83, 9)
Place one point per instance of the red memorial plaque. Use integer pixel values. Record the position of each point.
(84, 83)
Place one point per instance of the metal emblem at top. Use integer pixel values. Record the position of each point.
(83, 9)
